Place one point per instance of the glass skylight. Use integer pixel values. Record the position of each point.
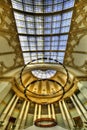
(43, 27)
(44, 74)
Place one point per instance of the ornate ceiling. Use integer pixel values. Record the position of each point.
(47, 90)
(10, 51)
(75, 53)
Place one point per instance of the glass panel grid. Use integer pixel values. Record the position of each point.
(44, 74)
(42, 30)
(55, 24)
(37, 6)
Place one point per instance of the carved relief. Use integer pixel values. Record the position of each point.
(76, 52)
(5, 47)
(10, 50)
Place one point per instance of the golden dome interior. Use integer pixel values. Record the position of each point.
(59, 32)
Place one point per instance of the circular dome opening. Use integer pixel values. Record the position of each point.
(44, 74)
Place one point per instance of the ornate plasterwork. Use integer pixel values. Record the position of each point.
(77, 48)
(58, 87)
(10, 50)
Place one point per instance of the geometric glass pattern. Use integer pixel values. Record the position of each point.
(43, 27)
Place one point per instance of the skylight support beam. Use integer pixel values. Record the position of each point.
(43, 27)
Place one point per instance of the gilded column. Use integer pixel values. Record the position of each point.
(7, 108)
(9, 114)
(53, 111)
(25, 115)
(80, 105)
(78, 109)
(69, 118)
(63, 114)
(20, 117)
(39, 112)
(35, 112)
(49, 111)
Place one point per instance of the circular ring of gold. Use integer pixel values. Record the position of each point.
(40, 122)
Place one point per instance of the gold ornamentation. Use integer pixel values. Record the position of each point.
(77, 32)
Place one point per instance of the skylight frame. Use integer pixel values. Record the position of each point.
(55, 52)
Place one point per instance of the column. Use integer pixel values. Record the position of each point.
(7, 108)
(9, 113)
(49, 111)
(20, 117)
(35, 112)
(69, 118)
(63, 115)
(80, 105)
(53, 111)
(39, 112)
(25, 115)
(79, 111)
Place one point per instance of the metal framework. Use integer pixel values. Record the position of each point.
(43, 27)
(61, 88)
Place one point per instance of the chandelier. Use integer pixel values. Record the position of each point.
(48, 94)
(45, 81)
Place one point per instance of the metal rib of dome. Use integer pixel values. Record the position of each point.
(43, 27)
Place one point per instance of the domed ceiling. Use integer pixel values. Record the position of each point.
(42, 89)
(51, 55)
(43, 28)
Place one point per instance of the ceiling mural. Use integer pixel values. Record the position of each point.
(77, 47)
(10, 50)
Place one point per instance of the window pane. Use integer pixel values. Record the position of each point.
(43, 35)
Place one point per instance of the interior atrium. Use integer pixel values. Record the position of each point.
(43, 64)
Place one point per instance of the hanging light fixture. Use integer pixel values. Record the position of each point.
(45, 98)
(57, 90)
